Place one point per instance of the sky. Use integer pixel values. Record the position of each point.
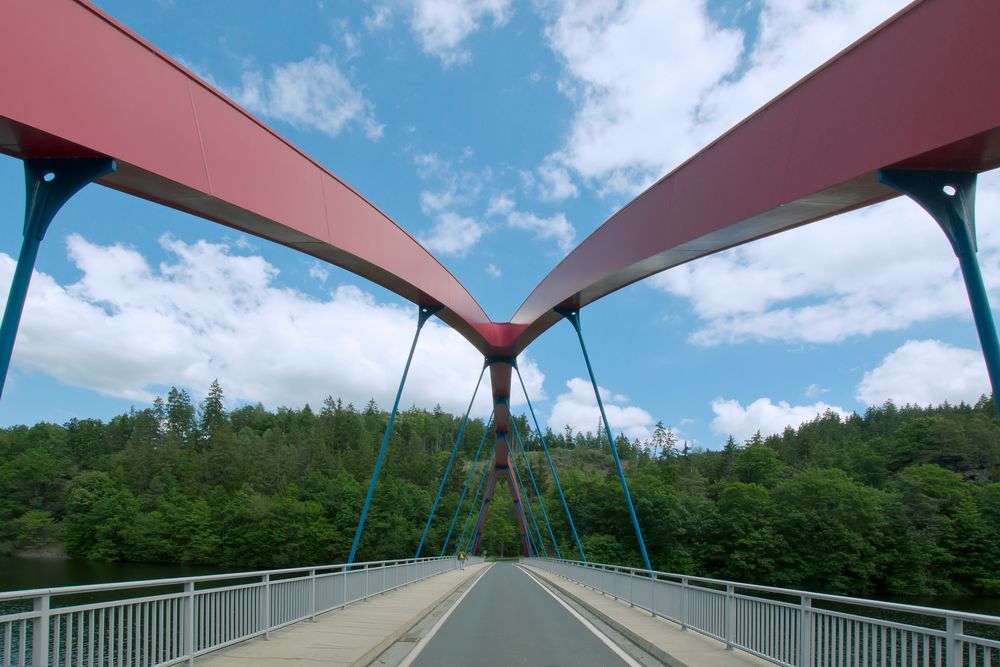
(499, 133)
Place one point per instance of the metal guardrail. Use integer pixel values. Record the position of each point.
(131, 623)
(786, 626)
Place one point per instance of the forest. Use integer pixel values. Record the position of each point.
(897, 500)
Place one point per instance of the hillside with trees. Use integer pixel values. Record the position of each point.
(898, 500)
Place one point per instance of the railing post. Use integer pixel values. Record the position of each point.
(806, 632)
(366, 581)
(953, 647)
(730, 616)
(312, 595)
(40, 632)
(631, 588)
(684, 603)
(265, 611)
(189, 646)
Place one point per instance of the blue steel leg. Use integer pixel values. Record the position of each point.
(465, 488)
(950, 198)
(475, 501)
(552, 468)
(48, 184)
(539, 540)
(424, 314)
(531, 476)
(447, 468)
(477, 533)
(573, 315)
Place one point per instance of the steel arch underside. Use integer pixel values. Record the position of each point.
(921, 91)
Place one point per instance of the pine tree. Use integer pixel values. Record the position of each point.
(213, 412)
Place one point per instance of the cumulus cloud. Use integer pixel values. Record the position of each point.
(655, 80)
(578, 408)
(555, 228)
(311, 94)
(453, 234)
(926, 372)
(732, 418)
(884, 268)
(441, 26)
(128, 329)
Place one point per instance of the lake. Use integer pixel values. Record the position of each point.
(24, 573)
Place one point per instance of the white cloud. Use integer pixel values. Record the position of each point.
(884, 268)
(494, 270)
(926, 372)
(126, 329)
(501, 204)
(311, 94)
(380, 18)
(441, 26)
(731, 418)
(655, 80)
(578, 408)
(556, 183)
(319, 272)
(556, 227)
(453, 234)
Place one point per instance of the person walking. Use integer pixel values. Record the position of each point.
(461, 560)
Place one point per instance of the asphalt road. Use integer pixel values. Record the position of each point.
(507, 619)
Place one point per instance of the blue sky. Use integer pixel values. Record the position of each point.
(500, 134)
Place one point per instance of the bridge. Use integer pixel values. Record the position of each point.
(840, 139)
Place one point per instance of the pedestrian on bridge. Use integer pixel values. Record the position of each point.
(461, 560)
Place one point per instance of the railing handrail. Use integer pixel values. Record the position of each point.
(178, 581)
(842, 599)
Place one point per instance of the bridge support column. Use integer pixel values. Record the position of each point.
(48, 184)
(950, 198)
(573, 315)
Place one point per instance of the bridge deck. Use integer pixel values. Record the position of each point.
(359, 633)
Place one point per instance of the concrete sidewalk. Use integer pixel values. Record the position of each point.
(354, 635)
(657, 636)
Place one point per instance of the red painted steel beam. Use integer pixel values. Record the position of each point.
(921, 91)
(74, 82)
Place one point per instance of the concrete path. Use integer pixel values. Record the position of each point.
(655, 635)
(354, 635)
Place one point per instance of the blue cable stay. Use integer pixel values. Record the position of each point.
(476, 533)
(531, 476)
(552, 468)
(475, 501)
(424, 313)
(451, 459)
(465, 487)
(539, 540)
(573, 315)
(526, 535)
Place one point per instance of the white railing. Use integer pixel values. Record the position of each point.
(170, 621)
(798, 628)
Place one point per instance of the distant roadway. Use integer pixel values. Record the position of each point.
(508, 619)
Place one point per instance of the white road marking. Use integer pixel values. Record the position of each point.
(626, 658)
(422, 644)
